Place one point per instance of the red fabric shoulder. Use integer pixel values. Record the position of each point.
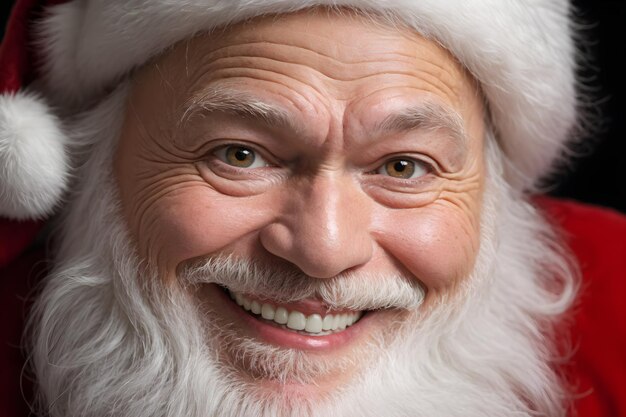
(597, 236)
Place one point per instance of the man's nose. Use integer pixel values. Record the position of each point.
(323, 228)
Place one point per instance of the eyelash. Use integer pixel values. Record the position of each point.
(242, 151)
(258, 153)
(429, 167)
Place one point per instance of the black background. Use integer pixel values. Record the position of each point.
(598, 175)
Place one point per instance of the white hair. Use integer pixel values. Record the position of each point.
(109, 339)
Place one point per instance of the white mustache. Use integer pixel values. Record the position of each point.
(354, 291)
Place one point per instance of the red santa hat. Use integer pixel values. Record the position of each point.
(58, 56)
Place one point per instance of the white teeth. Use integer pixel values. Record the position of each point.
(343, 321)
(313, 323)
(327, 324)
(296, 320)
(336, 321)
(255, 307)
(239, 299)
(268, 312)
(281, 316)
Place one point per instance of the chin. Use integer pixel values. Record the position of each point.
(109, 337)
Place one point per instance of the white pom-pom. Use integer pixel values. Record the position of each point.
(34, 165)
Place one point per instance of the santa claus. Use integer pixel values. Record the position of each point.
(294, 208)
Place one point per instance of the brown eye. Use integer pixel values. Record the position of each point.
(240, 156)
(403, 168)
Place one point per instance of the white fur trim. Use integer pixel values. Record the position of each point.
(33, 162)
(520, 50)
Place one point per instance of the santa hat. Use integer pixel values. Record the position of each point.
(57, 56)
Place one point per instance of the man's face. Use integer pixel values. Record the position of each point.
(313, 143)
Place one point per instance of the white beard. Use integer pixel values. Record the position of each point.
(109, 340)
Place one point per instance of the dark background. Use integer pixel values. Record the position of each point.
(598, 175)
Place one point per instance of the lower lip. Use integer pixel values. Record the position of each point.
(278, 336)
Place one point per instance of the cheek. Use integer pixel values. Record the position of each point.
(437, 244)
(197, 221)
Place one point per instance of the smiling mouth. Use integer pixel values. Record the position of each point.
(297, 317)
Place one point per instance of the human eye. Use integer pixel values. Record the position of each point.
(240, 156)
(401, 180)
(403, 168)
(240, 169)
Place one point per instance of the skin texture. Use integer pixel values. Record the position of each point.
(318, 196)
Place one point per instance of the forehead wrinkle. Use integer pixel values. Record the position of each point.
(269, 47)
(429, 116)
(330, 68)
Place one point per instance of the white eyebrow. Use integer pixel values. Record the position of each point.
(235, 102)
(429, 115)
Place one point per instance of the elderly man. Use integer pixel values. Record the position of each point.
(288, 208)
